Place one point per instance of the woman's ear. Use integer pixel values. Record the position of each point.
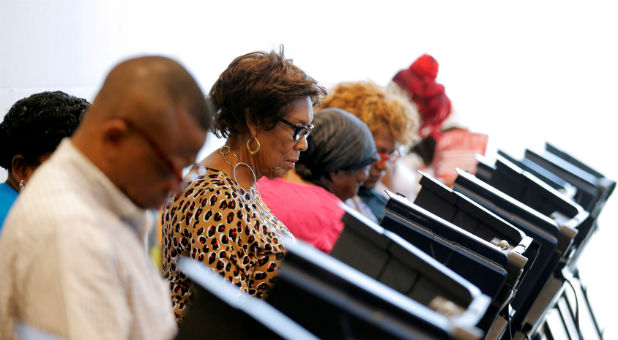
(19, 167)
(331, 177)
(21, 170)
(251, 125)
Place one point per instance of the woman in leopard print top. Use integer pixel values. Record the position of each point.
(264, 108)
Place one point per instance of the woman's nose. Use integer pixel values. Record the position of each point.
(301, 144)
(363, 174)
(380, 165)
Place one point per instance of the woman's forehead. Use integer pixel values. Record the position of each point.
(300, 111)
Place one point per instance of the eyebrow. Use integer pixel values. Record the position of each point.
(295, 120)
(299, 122)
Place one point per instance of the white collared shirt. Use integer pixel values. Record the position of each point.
(73, 260)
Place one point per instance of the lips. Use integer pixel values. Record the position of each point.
(291, 162)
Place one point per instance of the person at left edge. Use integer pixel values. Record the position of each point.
(29, 133)
(74, 263)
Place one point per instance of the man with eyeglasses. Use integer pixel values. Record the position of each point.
(74, 261)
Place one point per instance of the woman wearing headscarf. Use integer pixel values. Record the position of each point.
(264, 107)
(392, 120)
(340, 152)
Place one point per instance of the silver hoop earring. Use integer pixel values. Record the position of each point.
(253, 152)
(21, 185)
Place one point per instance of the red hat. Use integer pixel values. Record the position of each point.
(419, 82)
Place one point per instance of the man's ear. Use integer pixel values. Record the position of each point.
(113, 133)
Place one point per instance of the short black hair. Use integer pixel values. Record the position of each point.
(35, 125)
(258, 86)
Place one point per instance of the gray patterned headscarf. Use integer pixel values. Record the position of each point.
(340, 141)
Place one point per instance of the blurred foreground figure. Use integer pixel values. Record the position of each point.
(76, 265)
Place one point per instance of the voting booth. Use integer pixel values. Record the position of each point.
(492, 257)
(335, 301)
(465, 213)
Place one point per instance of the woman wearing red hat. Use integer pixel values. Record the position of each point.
(434, 107)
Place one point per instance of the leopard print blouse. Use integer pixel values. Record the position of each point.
(210, 222)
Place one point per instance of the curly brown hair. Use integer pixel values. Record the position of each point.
(376, 106)
(259, 87)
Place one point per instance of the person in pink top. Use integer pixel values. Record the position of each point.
(340, 152)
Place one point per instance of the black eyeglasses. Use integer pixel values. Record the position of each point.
(299, 130)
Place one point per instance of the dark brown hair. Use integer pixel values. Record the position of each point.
(258, 87)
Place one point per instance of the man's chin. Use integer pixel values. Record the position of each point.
(157, 206)
(154, 204)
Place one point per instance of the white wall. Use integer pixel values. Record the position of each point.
(524, 72)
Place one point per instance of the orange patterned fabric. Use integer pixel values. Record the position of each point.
(210, 221)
